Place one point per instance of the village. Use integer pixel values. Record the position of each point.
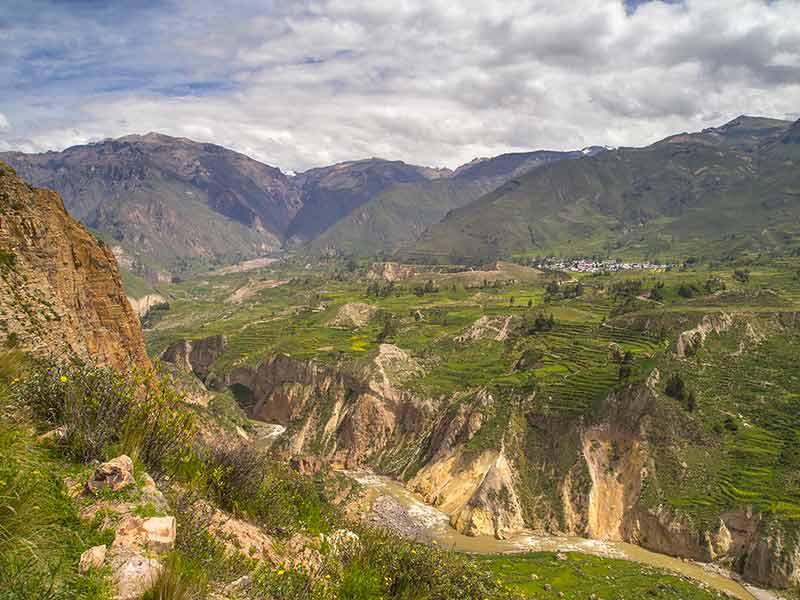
(591, 265)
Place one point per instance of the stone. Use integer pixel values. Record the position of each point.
(93, 558)
(54, 435)
(151, 494)
(159, 533)
(116, 475)
(241, 536)
(344, 542)
(155, 534)
(135, 576)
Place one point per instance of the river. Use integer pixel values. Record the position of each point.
(437, 525)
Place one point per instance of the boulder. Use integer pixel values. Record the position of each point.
(159, 533)
(344, 542)
(134, 534)
(93, 558)
(134, 576)
(115, 475)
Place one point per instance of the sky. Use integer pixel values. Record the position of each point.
(298, 84)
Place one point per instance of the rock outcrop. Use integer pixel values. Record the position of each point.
(195, 356)
(113, 475)
(60, 288)
(487, 328)
(352, 414)
(692, 340)
(353, 315)
(390, 271)
(141, 306)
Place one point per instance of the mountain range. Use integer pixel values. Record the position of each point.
(723, 191)
(170, 205)
(167, 205)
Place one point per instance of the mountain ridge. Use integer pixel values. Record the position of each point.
(680, 195)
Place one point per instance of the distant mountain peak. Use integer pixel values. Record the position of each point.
(748, 122)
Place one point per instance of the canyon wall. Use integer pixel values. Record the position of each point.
(60, 288)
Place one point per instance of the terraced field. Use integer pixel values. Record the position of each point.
(740, 446)
(751, 402)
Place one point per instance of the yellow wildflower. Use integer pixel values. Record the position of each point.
(63, 379)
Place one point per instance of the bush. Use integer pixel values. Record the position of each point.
(234, 474)
(533, 323)
(676, 388)
(103, 411)
(741, 275)
(244, 480)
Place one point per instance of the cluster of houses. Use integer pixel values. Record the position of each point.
(590, 265)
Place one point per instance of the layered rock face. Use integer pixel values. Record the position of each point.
(60, 288)
(358, 415)
(352, 416)
(195, 356)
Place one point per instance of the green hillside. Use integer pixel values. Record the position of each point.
(733, 189)
(403, 212)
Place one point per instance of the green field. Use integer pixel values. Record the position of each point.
(737, 447)
(582, 576)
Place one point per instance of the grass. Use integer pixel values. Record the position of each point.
(582, 575)
(41, 536)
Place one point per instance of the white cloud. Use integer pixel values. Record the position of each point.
(427, 81)
(4, 124)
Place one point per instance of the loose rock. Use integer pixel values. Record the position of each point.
(93, 558)
(115, 475)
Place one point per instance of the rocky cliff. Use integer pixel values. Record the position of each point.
(60, 288)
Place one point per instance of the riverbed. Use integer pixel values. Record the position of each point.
(437, 525)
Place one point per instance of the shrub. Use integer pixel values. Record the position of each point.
(91, 404)
(533, 323)
(687, 290)
(100, 408)
(676, 388)
(627, 288)
(741, 275)
(234, 474)
(389, 326)
(244, 480)
(202, 552)
(657, 293)
(7, 259)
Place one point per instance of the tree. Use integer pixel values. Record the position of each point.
(511, 301)
(691, 401)
(676, 388)
(657, 293)
(530, 302)
(741, 275)
(389, 326)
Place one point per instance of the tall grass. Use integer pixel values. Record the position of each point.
(41, 536)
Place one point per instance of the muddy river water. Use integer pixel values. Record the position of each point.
(437, 525)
